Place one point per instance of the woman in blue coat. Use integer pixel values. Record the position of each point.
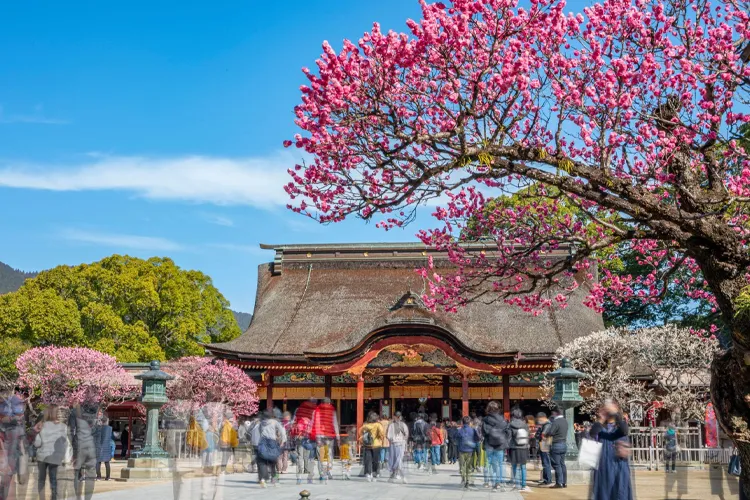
(104, 450)
(612, 478)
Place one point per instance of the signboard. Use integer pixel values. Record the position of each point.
(636, 412)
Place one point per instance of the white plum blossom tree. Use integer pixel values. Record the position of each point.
(664, 364)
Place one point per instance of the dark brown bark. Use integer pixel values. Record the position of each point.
(730, 393)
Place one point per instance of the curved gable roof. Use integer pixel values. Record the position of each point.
(319, 299)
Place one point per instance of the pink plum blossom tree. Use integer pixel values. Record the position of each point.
(206, 382)
(630, 110)
(71, 376)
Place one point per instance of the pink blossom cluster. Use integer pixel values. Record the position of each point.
(209, 383)
(74, 375)
(630, 109)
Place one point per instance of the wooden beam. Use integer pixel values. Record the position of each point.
(386, 387)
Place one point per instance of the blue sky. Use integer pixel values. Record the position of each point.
(155, 128)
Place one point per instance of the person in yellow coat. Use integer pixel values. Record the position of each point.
(371, 437)
(228, 439)
(196, 438)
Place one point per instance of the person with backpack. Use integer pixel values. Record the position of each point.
(436, 442)
(306, 449)
(398, 435)
(468, 440)
(671, 448)
(496, 439)
(228, 440)
(558, 432)
(542, 428)
(519, 449)
(419, 438)
(271, 439)
(371, 437)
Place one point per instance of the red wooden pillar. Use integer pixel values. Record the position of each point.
(269, 392)
(447, 395)
(360, 402)
(464, 396)
(506, 396)
(328, 382)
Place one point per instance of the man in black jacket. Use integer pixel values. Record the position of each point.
(496, 434)
(558, 432)
(542, 427)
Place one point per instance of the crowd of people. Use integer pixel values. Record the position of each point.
(383, 448)
(480, 446)
(78, 438)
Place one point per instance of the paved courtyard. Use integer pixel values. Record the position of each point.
(712, 484)
(444, 485)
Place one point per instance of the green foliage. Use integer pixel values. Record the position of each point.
(10, 349)
(550, 205)
(742, 304)
(133, 309)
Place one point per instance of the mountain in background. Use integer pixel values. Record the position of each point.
(243, 319)
(12, 279)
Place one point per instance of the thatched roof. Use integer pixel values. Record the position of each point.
(319, 299)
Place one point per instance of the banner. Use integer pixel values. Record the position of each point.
(712, 427)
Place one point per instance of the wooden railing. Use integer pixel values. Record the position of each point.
(648, 448)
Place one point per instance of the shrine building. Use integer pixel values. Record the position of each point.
(346, 321)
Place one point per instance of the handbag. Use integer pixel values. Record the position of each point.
(269, 449)
(590, 453)
(735, 467)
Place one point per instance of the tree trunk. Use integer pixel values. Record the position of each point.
(730, 377)
(730, 393)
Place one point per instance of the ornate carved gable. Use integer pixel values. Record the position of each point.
(408, 300)
(416, 355)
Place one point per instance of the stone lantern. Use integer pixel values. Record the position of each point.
(151, 462)
(567, 396)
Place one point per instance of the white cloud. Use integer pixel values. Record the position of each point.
(122, 241)
(257, 182)
(218, 220)
(37, 116)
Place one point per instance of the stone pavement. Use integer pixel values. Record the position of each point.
(443, 486)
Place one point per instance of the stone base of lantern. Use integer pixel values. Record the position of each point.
(146, 469)
(577, 474)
